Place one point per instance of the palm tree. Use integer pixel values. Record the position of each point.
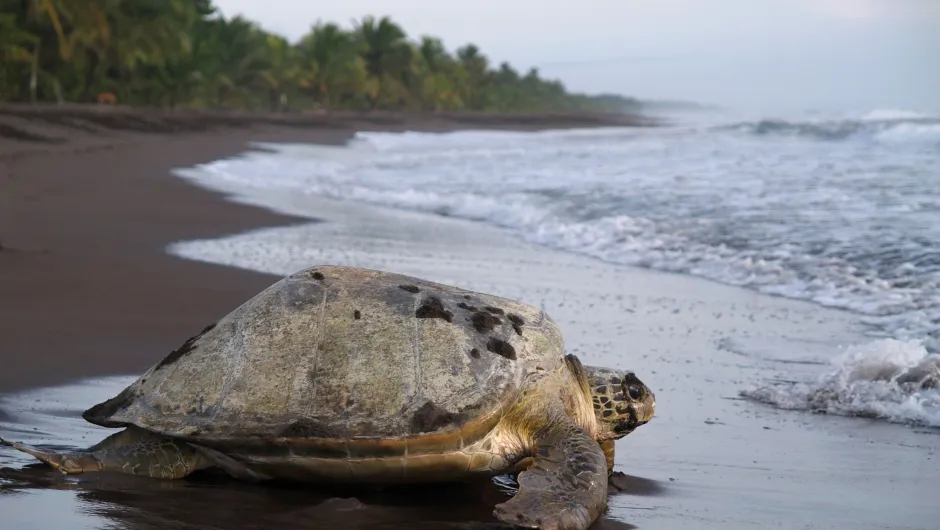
(32, 16)
(14, 40)
(475, 64)
(179, 52)
(438, 70)
(387, 56)
(331, 67)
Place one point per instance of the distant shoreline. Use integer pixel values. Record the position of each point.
(51, 125)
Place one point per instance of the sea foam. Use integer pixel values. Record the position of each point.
(886, 379)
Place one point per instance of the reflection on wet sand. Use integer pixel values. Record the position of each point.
(33, 495)
(206, 501)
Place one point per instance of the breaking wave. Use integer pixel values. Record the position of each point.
(882, 125)
(897, 381)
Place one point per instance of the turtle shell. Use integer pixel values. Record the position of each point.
(345, 357)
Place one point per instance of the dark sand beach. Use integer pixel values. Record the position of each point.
(87, 207)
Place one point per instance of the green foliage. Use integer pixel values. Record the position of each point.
(170, 53)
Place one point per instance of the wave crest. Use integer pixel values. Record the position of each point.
(897, 381)
(879, 125)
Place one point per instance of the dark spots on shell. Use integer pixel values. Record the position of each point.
(409, 288)
(431, 417)
(615, 381)
(517, 322)
(607, 413)
(100, 413)
(619, 397)
(605, 399)
(434, 308)
(304, 428)
(608, 405)
(501, 347)
(187, 347)
(470, 308)
(484, 322)
(318, 276)
(466, 296)
(601, 389)
(494, 310)
(475, 353)
(357, 314)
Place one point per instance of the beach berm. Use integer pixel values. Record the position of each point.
(351, 375)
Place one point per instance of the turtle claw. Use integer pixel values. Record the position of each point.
(617, 482)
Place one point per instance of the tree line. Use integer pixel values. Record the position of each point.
(183, 53)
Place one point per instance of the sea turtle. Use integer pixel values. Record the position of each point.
(343, 374)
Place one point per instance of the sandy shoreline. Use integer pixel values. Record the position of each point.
(86, 226)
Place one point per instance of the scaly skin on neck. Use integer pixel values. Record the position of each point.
(596, 399)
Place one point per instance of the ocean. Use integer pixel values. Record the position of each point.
(841, 211)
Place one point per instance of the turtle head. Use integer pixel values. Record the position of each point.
(621, 401)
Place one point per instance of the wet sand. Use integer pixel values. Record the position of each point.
(86, 249)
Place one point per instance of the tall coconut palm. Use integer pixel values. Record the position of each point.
(439, 74)
(387, 57)
(331, 66)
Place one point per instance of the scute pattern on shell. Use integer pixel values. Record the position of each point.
(345, 354)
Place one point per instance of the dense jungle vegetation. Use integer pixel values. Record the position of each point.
(183, 53)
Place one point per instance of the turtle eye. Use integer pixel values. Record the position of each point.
(634, 392)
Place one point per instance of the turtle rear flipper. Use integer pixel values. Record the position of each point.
(132, 451)
(565, 488)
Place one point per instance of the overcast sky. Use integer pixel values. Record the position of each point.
(757, 55)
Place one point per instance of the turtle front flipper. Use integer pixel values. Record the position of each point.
(565, 488)
(132, 451)
(616, 481)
